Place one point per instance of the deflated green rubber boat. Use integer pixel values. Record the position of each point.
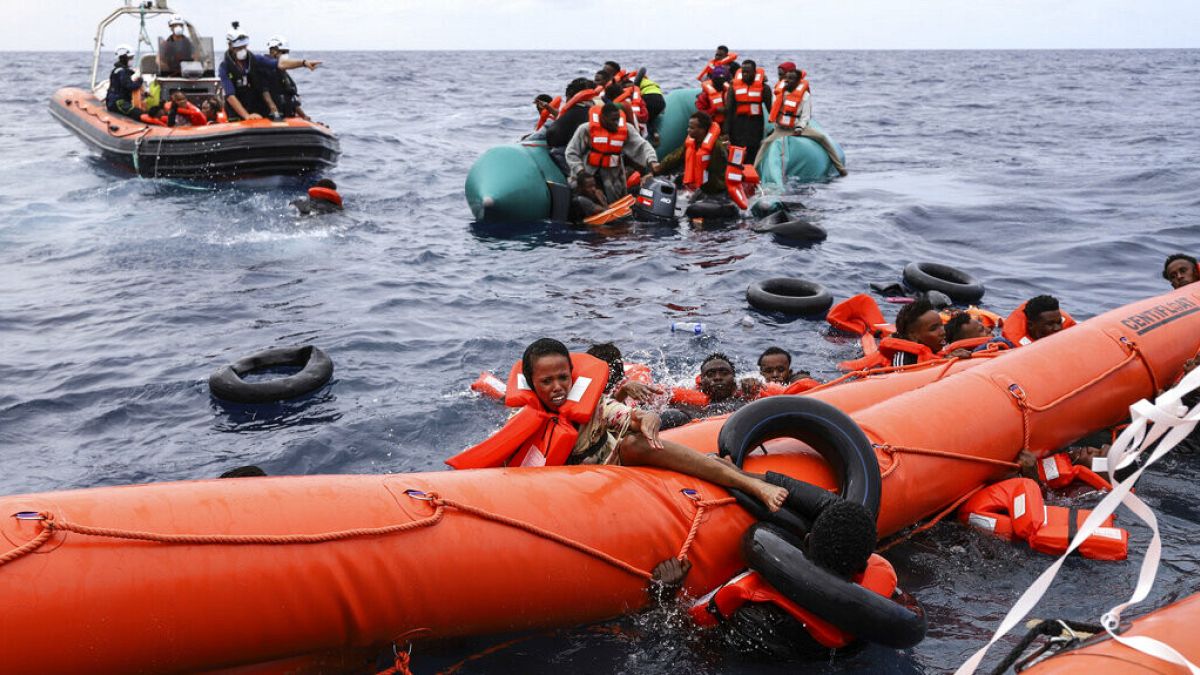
(514, 183)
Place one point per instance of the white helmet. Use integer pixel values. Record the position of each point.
(237, 38)
(123, 51)
(176, 20)
(277, 42)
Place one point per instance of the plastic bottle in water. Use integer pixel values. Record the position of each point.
(687, 327)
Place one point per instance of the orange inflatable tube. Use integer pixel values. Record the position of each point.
(180, 577)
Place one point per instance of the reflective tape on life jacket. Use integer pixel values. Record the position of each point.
(785, 109)
(1009, 509)
(748, 95)
(545, 113)
(1016, 326)
(717, 606)
(536, 436)
(716, 96)
(740, 179)
(1059, 526)
(325, 194)
(222, 118)
(156, 121)
(713, 63)
(697, 157)
(606, 145)
(489, 385)
(622, 208)
(1058, 471)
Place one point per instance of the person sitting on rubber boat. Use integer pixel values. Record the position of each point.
(652, 97)
(573, 115)
(322, 198)
(721, 57)
(703, 157)
(213, 111)
(175, 49)
(713, 91)
(246, 78)
(569, 407)
(604, 145)
(1037, 318)
(621, 386)
(1180, 270)
(748, 99)
(122, 85)
(791, 113)
(284, 91)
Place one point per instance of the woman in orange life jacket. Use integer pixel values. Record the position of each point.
(791, 113)
(746, 103)
(604, 147)
(546, 365)
(1181, 270)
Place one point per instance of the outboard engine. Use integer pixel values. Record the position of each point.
(656, 201)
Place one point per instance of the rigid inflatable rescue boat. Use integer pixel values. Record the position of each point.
(210, 151)
(516, 183)
(175, 577)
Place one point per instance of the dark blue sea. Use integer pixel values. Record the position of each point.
(1066, 172)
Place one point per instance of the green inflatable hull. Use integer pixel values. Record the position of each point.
(796, 158)
(508, 183)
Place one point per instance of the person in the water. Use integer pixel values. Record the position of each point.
(620, 387)
(918, 322)
(1043, 317)
(775, 365)
(1180, 270)
(618, 434)
(322, 197)
(604, 146)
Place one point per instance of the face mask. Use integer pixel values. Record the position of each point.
(177, 30)
(240, 54)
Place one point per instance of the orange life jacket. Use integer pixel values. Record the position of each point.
(688, 396)
(638, 372)
(785, 109)
(490, 386)
(890, 346)
(606, 145)
(968, 344)
(741, 179)
(716, 97)
(749, 586)
(1014, 509)
(1057, 471)
(222, 118)
(536, 436)
(325, 194)
(633, 94)
(697, 157)
(748, 96)
(545, 113)
(858, 314)
(622, 208)
(156, 121)
(800, 386)
(190, 111)
(713, 63)
(1016, 326)
(580, 97)
(983, 316)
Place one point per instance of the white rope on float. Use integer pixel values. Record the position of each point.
(1167, 421)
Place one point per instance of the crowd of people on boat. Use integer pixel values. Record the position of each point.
(250, 86)
(603, 132)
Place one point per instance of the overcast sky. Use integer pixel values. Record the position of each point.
(653, 24)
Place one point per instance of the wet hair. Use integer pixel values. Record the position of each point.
(842, 538)
(610, 107)
(1038, 304)
(774, 350)
(536, 350)
(613, 91)
(250, 471)
(906, 319)
(608, 352)
(577, 85)
(544, 98)
(616, 67)
(325, 183)
(715, 356)
(704, 118)
(1177, 256)
(955, 325)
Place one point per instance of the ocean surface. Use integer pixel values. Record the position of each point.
(1065, 172)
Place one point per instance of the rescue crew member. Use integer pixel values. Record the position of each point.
(791, 114)
(175, 49)
(559, 134)
(745, 106)
(618, 434)
(918, 322)
(122, 84)
(604, 145)
(283, 88)
(708, 176)
(1181, 270)
(246, 78)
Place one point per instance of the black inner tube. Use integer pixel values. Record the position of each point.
(316, 370)
(789, 296)
(929, 276)
(857, 610)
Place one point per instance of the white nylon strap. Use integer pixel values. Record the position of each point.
(1172, 423)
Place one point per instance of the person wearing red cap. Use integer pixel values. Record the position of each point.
(791, 113)
(782, 70)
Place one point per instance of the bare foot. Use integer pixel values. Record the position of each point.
(772, 496)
